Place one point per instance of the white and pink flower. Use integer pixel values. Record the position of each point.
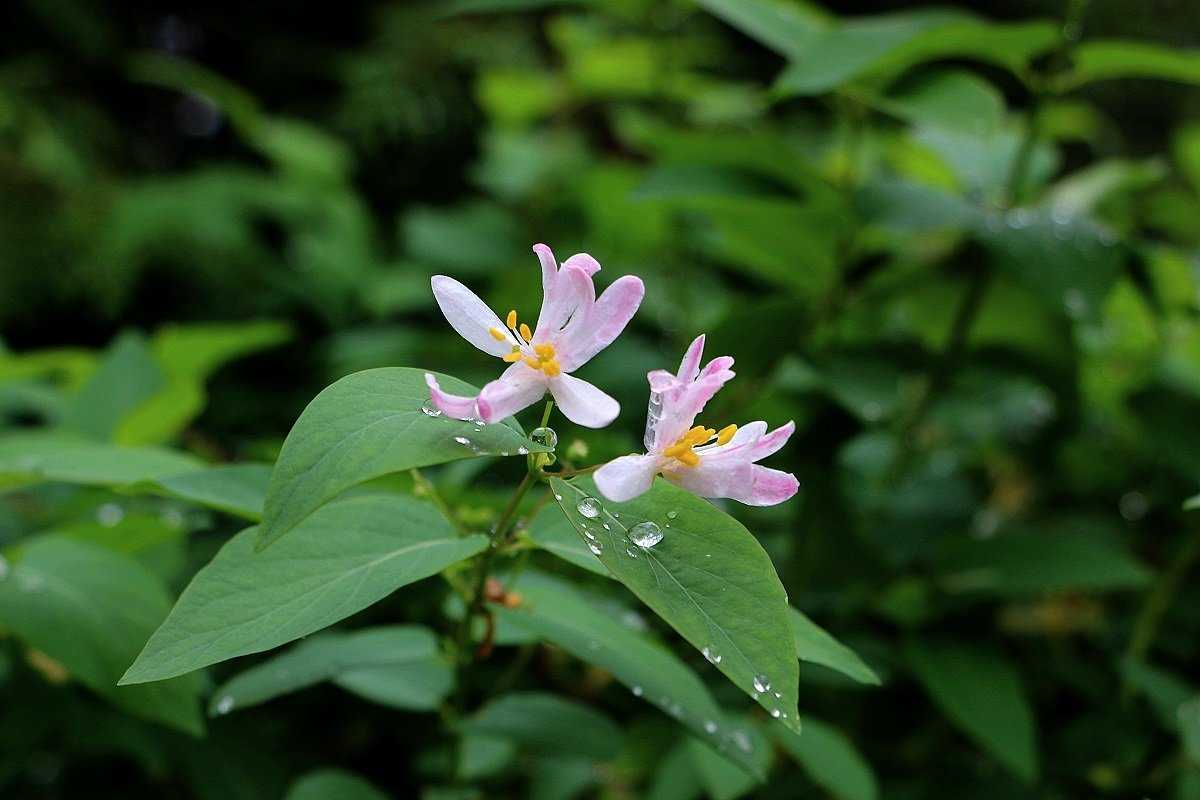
(573, 326)
(705, 461)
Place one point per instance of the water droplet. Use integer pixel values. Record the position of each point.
(742, 741)
(523, 450)
(778, 696)
(711, 654)
(464, 441)
(589, 534)
(629, 551)
(653, 415)
(607, 527)
(646, 534)
(544, 436)
(595, 548)
(676, 710)
(762, 683)
(672, 514)
(710, 727)
(589, 507)
(430, 410)
(637, 691)
(557, 496)
(225, 705)
(776, 713)
(110, 514)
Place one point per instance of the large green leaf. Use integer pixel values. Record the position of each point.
(708, 578)
(398, 666)
(788, 28)
(553, 532)
(126, 377)
(340, 560)
(327, 784)
(721, 777)
(1116, 58)
(1021, 564)
(830, 759)
(980, 691)
(237, 489)
(90, 609)
(547, 724)
(367, 425)
(27, 458)
(555, 611)
(814, 644)
(950, 99)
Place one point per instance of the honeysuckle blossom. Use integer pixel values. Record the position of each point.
(704, 461)
(573, 326)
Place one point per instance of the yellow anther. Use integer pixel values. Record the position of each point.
(512, 357)
(497, 334)
(689, 459)
(526, 334)
(512, 319)
(544, 350)
(551, 369)
(677, 449)
(533, 362)
(726, 434)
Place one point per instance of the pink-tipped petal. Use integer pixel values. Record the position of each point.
(718, 366)
(712, 479)
(452, 405)
(626, 477)
(660, 380)
(689, 368)
(583, 403)
(549, 266)
(767, 487)
(771, 443)
(582, 261)
(470, 316)
(604, 322)
(518, 388)
(568, 297)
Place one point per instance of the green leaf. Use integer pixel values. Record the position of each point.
(327, 784)
(196, 351)
(553, 532)
(546, 724)
(345, 557)
(126, 377)
(1192, 503)
(815, 645)
(676, 778)
(90, 609)
(237, 489)
(830, 759)
(28, 458)
(367, 425)
(981, 693)
(788, 28)
(397, 666)
(555, 611)
(708, 578)
(1021, 564)
(723, 779)
(948, 99)
(914, 207)
(483, 756)
(1100, 60)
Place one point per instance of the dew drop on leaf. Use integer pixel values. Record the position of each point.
(523, 450)
(589, 507)
(544, 436)
(646, 534)
(711, 654)
(761, 683)
(672, 514)
(225, 705)
(710, 727)
(595, 548)
(431, 411)
(637, 691)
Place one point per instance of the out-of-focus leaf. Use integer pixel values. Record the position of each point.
(327, 784)
(723, 779)
(470, 239)
(1020, 564)
(676, 778)
(27, 458)
(981, 693)
(830, 759)
(90, 609)
(815, 645)
(397, 666)
(553, 532)
(340, 560)
(554, 611)
(708, 578)
(483, 756)
(788, 28)
(1105, 59)
(547, 724)
(1192, 503)
(558, 778)
(1084, 190)
(368, 425)
(456, 8)
(958, 100)
(237, 489)
(913, 207)
(126, 377)
(1165, 691)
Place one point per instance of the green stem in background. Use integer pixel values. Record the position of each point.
(1145, 628)
(426, 487)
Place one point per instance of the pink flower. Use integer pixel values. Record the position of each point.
(572, 327)
(702, 460)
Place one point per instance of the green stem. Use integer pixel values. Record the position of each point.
(1145, 628)
(426, 487)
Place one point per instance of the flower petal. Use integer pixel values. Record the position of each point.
(767, 487)
(626, 477)
(583, 403)
(712, 479)
(582, 261)
(470, 316)
(518, 388)
(452, 405)
(564, 292)
(602, 323)
(689, 367)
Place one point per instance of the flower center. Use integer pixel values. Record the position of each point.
(542, 357)
(684, 449)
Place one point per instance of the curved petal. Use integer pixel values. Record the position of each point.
(470, 316)
(603, 323)
(766, 487)
(583, 403)
(725, 479)
(689, 367)
(455, 406)
(583, 261)
(518, 388)
(682, 404)
(626, 477)
(567, 296)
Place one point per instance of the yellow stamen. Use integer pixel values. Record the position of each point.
(512, 357)
(689, 459)
(497, 334)
(533, 362)
(544, 350)
(512, 318)
(526, 334)
(551, 369)
(726, 434)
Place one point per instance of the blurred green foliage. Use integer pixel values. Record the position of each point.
(959, 247)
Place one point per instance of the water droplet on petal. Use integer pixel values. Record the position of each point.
(761, 683)
(646, 534)
(589, 507)
(225, 705)
(546, 437)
